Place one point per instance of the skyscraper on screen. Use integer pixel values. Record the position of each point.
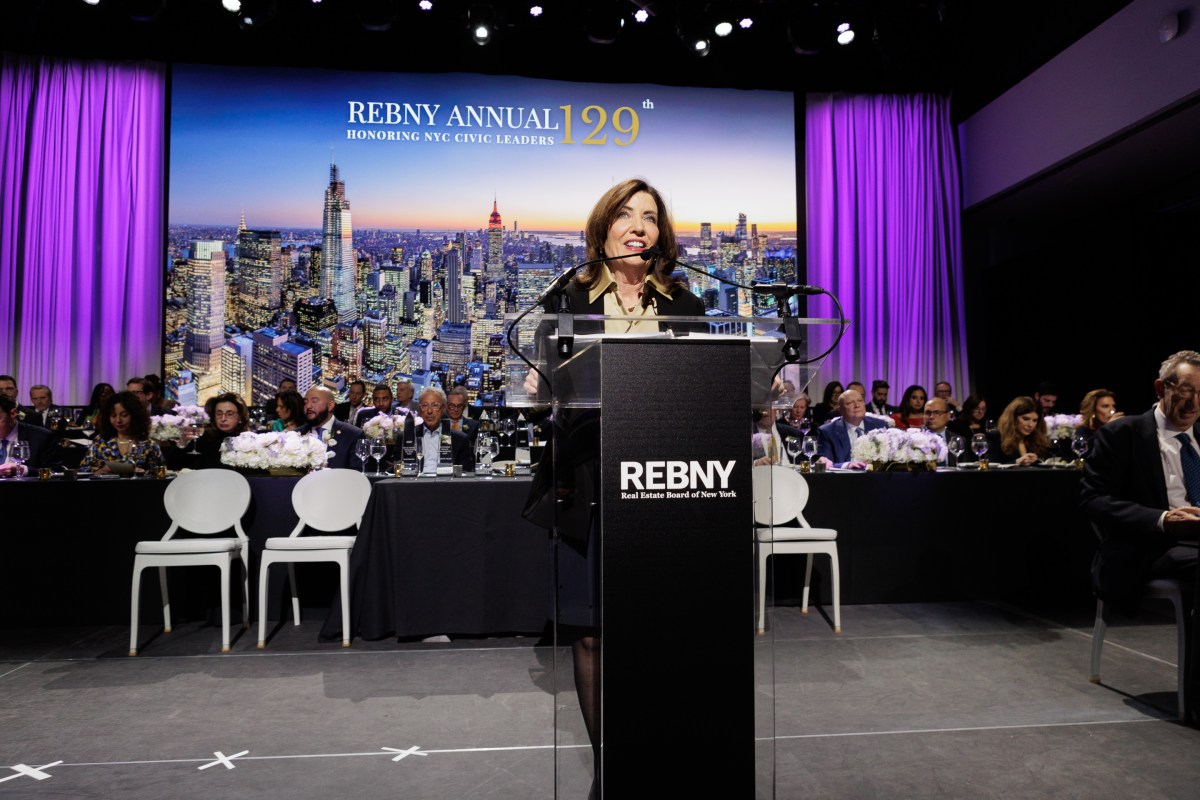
(495, 245)
(260, 277)
(337, 248)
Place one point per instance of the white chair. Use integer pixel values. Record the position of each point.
(202, 502)
(326, 500)
(780, 495)
(1161, 589)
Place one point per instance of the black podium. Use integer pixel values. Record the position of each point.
(672, 573)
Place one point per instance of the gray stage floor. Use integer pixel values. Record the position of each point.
(922, 701)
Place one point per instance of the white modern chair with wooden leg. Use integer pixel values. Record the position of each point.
(325, 500)
(204, 502)
(780, 495)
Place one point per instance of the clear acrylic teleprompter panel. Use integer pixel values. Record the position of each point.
(574, 380)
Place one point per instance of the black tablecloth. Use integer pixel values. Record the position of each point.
(447, 556)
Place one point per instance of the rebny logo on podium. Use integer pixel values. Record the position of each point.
(676, 480)
(328, 227)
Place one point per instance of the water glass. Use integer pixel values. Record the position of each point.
(362, 449)
(18, 453)
(378, 449)
(979, 445)
(955, 445)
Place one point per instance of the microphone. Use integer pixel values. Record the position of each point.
(786, 289)
(560, 283)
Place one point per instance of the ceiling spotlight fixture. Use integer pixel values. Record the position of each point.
(845, 34)
(233, 6)
(723, 28)
(604, 22)
(92, 2)
(425, 5)
(535, 10)
(641, 15)
(701, 47)
(481, 21)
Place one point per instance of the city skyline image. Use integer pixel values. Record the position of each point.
(438, 207)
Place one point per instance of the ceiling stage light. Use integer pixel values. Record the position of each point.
(535, 11)
(641, 15)
(845, 34)
(481, 20)
(425, 5)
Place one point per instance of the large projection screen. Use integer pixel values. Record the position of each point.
(329, 226)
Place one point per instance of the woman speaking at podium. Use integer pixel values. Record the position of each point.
(628, 221)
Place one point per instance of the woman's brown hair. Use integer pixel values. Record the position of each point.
(601, 219)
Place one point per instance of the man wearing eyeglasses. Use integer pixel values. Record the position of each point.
(432, 405)
(1141, 487)
(457, 400)
(937, 417)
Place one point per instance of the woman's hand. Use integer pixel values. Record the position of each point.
(1027, 460)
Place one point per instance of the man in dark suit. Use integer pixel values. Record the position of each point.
(41, 441)
(1141, 487)
(457, 400)
(340, 437)
(879, 396)
(381, 403)
(354, 402)
(43, 405)
(835, 439)
(145, 393)
(432, 403)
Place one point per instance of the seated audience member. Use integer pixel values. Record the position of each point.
(227, 416)
(381, 403)
(144, 391)
(8, 387)
(286, 384)
(1046, 397)
(457, 400)
(826, 409)
(405, 404)
(858, 387)
(768, 439)
(289, 411)
(945, 391)
(937, 419)
(42, 406)
(100, 393)
(41, 442)
(1020, 437)
(155, 385)
(796, 415)
(340, 437)
(123, 434)
(789, 390)
(879, 399)
(835, 439)
(1141, 488)
(972, 419)
(1099, 407)
(911, 413)
(432, 404)
(355, 395)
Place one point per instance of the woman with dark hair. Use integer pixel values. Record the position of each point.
(123, 435)
(1099, 407)
(627, 221)
(289, 411)
(972, 419)
(912, 408)
(827, 408)
(227, 416)
(100, 393)
(1020, 437)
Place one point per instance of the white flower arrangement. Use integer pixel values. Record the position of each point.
(169, 427)
(380, 426)
(1062, 426)
(894, 445)
(273, 450)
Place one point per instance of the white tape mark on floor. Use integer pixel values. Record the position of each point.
(32, 772)
(223, 759)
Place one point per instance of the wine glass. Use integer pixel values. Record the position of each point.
(979, 445)
(378, 448)
(809, 446)
(191, 432)
(955, 445)
(362, 449)
(18, 453)
(805, 424)
(1079, 446)
(793, 447)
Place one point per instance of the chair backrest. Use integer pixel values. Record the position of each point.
(207, 501)
(330, 499)
(780, 495)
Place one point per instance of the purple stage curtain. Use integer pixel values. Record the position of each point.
(81, 222)
(884, 235)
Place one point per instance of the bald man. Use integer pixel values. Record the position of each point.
(340, 437)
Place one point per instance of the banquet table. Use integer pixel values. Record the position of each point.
(454, 556)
